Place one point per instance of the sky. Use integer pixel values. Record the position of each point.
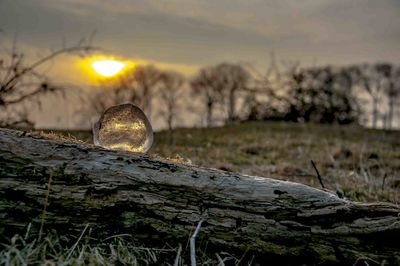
(185, 35)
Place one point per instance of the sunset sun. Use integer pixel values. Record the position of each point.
(107, 68)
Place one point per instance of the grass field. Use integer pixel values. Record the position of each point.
(363, 164)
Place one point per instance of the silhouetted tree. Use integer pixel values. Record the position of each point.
(21, 81)
(145, 80)
(221, 84)
(319, 94)
(265, 94)
(137, 86)
(97, 100)
(322, 95)
(390, 78)
(204, 85)
(231, 79)
(170, 91)
(370, 79)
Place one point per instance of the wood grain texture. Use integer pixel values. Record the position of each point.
(159, 201)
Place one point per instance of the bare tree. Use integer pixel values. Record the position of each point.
(204, 85)
(98, 101)
(21, 81)
(262, 93)
(370, 79)
(137, 86)
(230, 80)
(391, 74)
(170, 93)
(220, 84)
(144, 80)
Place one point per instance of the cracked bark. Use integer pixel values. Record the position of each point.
(159, 201)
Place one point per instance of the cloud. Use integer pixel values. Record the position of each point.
(202, 32)
(184, 35)
(274, 18)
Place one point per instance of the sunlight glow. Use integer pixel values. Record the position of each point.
(107, 68)
(98, 68)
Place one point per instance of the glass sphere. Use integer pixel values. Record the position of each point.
(123, 127)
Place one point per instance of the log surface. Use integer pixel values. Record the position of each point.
(160, 201)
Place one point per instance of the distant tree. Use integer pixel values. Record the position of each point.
(99, 99)
(314, 94)
(370, 79)
(321, 95)
(204, 85)
(379, 81)
(230, 80)
(220, 84)
(295, 88)
(137, 86)
(265, 94)
(390, 78)
(109, 92)
(22, 81)
(144, 80)
(170, 91)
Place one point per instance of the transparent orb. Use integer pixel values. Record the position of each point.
(123, 127)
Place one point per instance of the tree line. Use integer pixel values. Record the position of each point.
(225, 92)
(237, 92)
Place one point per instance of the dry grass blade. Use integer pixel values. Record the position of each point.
(220, 260)
(77, 242)
(318, 175)
(193, 244)
(178, 256)
(46, 202)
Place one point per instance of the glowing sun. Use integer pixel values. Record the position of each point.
(107, 68)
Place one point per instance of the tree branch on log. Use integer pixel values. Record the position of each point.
(159, 201)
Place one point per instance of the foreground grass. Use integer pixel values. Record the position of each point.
(115, 250)
(20, 251)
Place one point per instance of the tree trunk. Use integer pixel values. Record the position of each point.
(374, 112)
(231, 105)
(209, 111)
(390, 113)
(161, 202)
(146, 101)
(170, 117)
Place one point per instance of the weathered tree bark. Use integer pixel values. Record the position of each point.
(160, 201)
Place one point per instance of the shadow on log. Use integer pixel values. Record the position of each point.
(158, 201)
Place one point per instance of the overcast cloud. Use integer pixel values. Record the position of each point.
(199, 32)
(187, 34)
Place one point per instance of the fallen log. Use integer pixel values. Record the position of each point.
(159, 201)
